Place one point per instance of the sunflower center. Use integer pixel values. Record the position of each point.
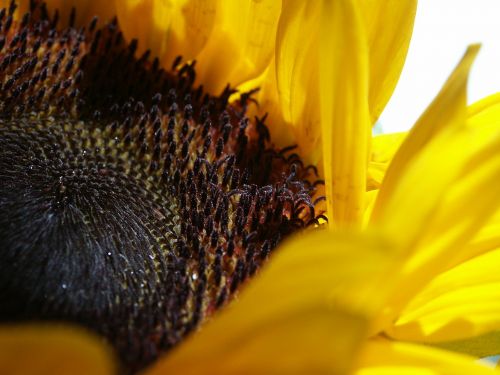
(130, 202)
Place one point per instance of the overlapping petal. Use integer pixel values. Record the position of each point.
(383, 149)
(461, 303)
(446, 157)
(297, 69)
(385, 146)
(344, 116)
(447, 110)
(487, 239)
(427, 216)
(286, 88)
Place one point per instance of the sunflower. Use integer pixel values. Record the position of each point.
(328, 302)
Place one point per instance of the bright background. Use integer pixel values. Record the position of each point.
(443, 29)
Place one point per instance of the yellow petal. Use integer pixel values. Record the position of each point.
(296, 72)
(485, 107)
(241, 44)
(306, 312)
(452, 173)
(410, 195)
(447, 110)
(488, 238)
(461, 303)
(370, 198)
(383, 148)
(323, 88)
(389, 26)
(383, 357)
(469, 204)
(51, 349)
(428, 211)
(168, 28)
(375, 175)
(484, 114)
(344, 110)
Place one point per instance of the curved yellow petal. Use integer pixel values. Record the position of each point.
(370, 198)
(447, 110)
(384, 357)
(474, 164)
(431, 165)
(384, 146)
(488, 238)
(486, 106)
(168, 28)
(50, 349)
(389, 26)
(383, 149)
(462, 170)
(461, 303)
(484, 114)
(323, 88)
(344, 111)
(241, 44)
(485, 240)
(425, 209)
(375, 175)
(306, 312)
(297, 66)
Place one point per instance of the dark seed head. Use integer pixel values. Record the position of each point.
(118, 211)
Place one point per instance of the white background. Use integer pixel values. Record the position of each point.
(443, 29)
